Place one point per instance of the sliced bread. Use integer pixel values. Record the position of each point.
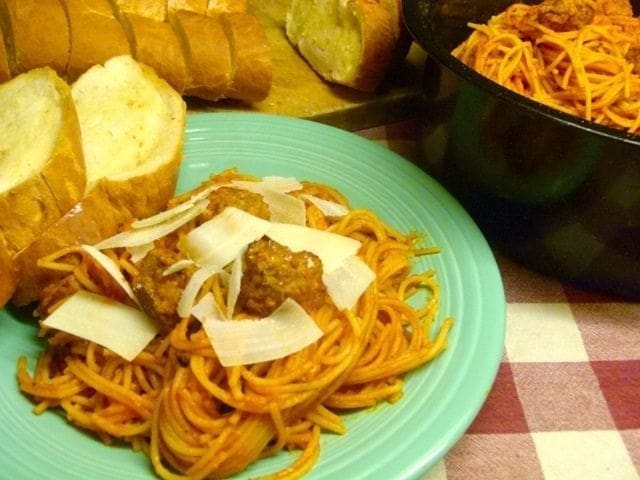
(42, 169)
(95, 35)
(207, 51)
(251, 73)
(132, 125)
(5, 71)
(226, 6)
(156, 44)
(197, 6)
(349, 42)
(39, 34)
(155, 9)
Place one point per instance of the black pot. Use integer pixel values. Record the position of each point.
(557, 193)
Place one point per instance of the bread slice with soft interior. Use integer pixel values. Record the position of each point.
(39, 34)
(132, 125)
(95, 35)
(42, 169)
(349, 42)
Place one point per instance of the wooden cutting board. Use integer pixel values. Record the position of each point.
(298, 91)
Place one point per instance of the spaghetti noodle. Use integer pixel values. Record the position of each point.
(581, 57)
(195, 418)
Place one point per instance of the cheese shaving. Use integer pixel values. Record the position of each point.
(243, 342)
(142, 236)
(332, 249)
(269, 184)
(120, 328)
(327, 207)
(285, 208)
(235, 282)
(348, 282)
(111, 268)
(218, 241)
(191, 290)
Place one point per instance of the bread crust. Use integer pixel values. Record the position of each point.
(251, 57)
(5, 72)
(40, 34)
(197, 6)
(95, 34)
(226, 6)
(29, 207)
(156, 44)
(208, 53)
(154, 9)
(111, 202)
(379, 37)
(8, 273)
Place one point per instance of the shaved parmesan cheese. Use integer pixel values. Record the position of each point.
(348, 282)
(207, 308)
(142, 236)
(178, 266)
(122, 329)
(111, 268)
(285, 208)
(191, 290)
(332, 248)
(220, 240)
(327, 207)
(166, 215)
(240, 342)
(235, 282)
(269, 184)
(138, 252)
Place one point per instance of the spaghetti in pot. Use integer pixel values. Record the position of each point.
(197, 419)
(581, 57)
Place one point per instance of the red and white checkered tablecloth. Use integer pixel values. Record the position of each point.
(566, 401)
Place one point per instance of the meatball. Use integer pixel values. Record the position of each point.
(159, 294)
(633, 56)
(224, 197)
(273, 273)
(565, 15)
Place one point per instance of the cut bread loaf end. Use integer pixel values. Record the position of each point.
(208, 54)
(95, 35)
(39, 34)
(348, 42)
(42, 169)
(157, 45)
(132, 125)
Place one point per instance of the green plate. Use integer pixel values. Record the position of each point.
(398, 441)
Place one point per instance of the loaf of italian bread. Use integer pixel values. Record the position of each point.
(349, 42)
(185, 41)
(132, 125)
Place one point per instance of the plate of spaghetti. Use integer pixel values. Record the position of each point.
(309, 305)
